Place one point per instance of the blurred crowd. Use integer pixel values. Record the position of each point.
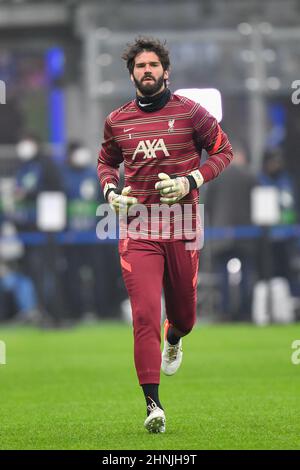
(47, 280)
(43, 280)
(256, 260)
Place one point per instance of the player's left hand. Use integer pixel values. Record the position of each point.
(172, 189)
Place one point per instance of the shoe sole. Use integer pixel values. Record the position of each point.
(156, 425)
(169, 373)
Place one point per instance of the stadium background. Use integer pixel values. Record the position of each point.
(60, 63)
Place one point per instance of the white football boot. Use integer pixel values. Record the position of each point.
(156, 421)
(171, 355)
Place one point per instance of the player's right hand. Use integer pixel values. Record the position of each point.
(121, 202)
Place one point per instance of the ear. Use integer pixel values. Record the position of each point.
(131, 78)
(166, 74)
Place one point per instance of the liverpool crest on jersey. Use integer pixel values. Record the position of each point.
(171, 125)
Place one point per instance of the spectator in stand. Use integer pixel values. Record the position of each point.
(38, 172)
(85, 261)
(227, 204)
(275, 174)
(17, 292)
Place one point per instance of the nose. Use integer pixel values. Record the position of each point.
(147, 68)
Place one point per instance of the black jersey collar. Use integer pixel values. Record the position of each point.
(153, 103)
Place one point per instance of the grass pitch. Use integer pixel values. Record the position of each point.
(77, 389)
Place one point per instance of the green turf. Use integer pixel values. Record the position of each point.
(77, 389)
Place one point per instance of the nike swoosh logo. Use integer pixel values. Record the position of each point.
(144, 104)
(130, 129)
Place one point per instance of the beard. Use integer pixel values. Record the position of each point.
(149, 88)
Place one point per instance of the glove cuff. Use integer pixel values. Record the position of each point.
(195, 179)
(107, 189)
(192, 182)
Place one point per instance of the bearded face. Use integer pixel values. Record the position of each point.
(148, 85)
(148, 74)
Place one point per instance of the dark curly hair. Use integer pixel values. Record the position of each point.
(148, 44)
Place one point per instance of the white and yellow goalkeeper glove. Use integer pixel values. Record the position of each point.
(172, 189)
(119, 199)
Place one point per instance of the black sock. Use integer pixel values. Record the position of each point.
(151, 395)
(171, 337)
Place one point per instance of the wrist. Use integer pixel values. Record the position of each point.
(108, 188)
(192, 182)
(110, 196)
(195, 179)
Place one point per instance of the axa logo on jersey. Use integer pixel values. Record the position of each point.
(149, 148)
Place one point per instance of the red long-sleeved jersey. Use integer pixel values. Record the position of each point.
(166, 141)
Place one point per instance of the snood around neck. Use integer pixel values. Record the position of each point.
(153, 103)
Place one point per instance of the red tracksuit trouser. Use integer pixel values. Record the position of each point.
(148, 267)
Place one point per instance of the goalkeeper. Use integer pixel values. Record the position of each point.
(159, 136)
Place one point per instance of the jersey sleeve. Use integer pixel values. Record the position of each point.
(109, 159)
(213, 139)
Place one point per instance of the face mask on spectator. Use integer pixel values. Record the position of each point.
(81, 157)
(27, 149)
